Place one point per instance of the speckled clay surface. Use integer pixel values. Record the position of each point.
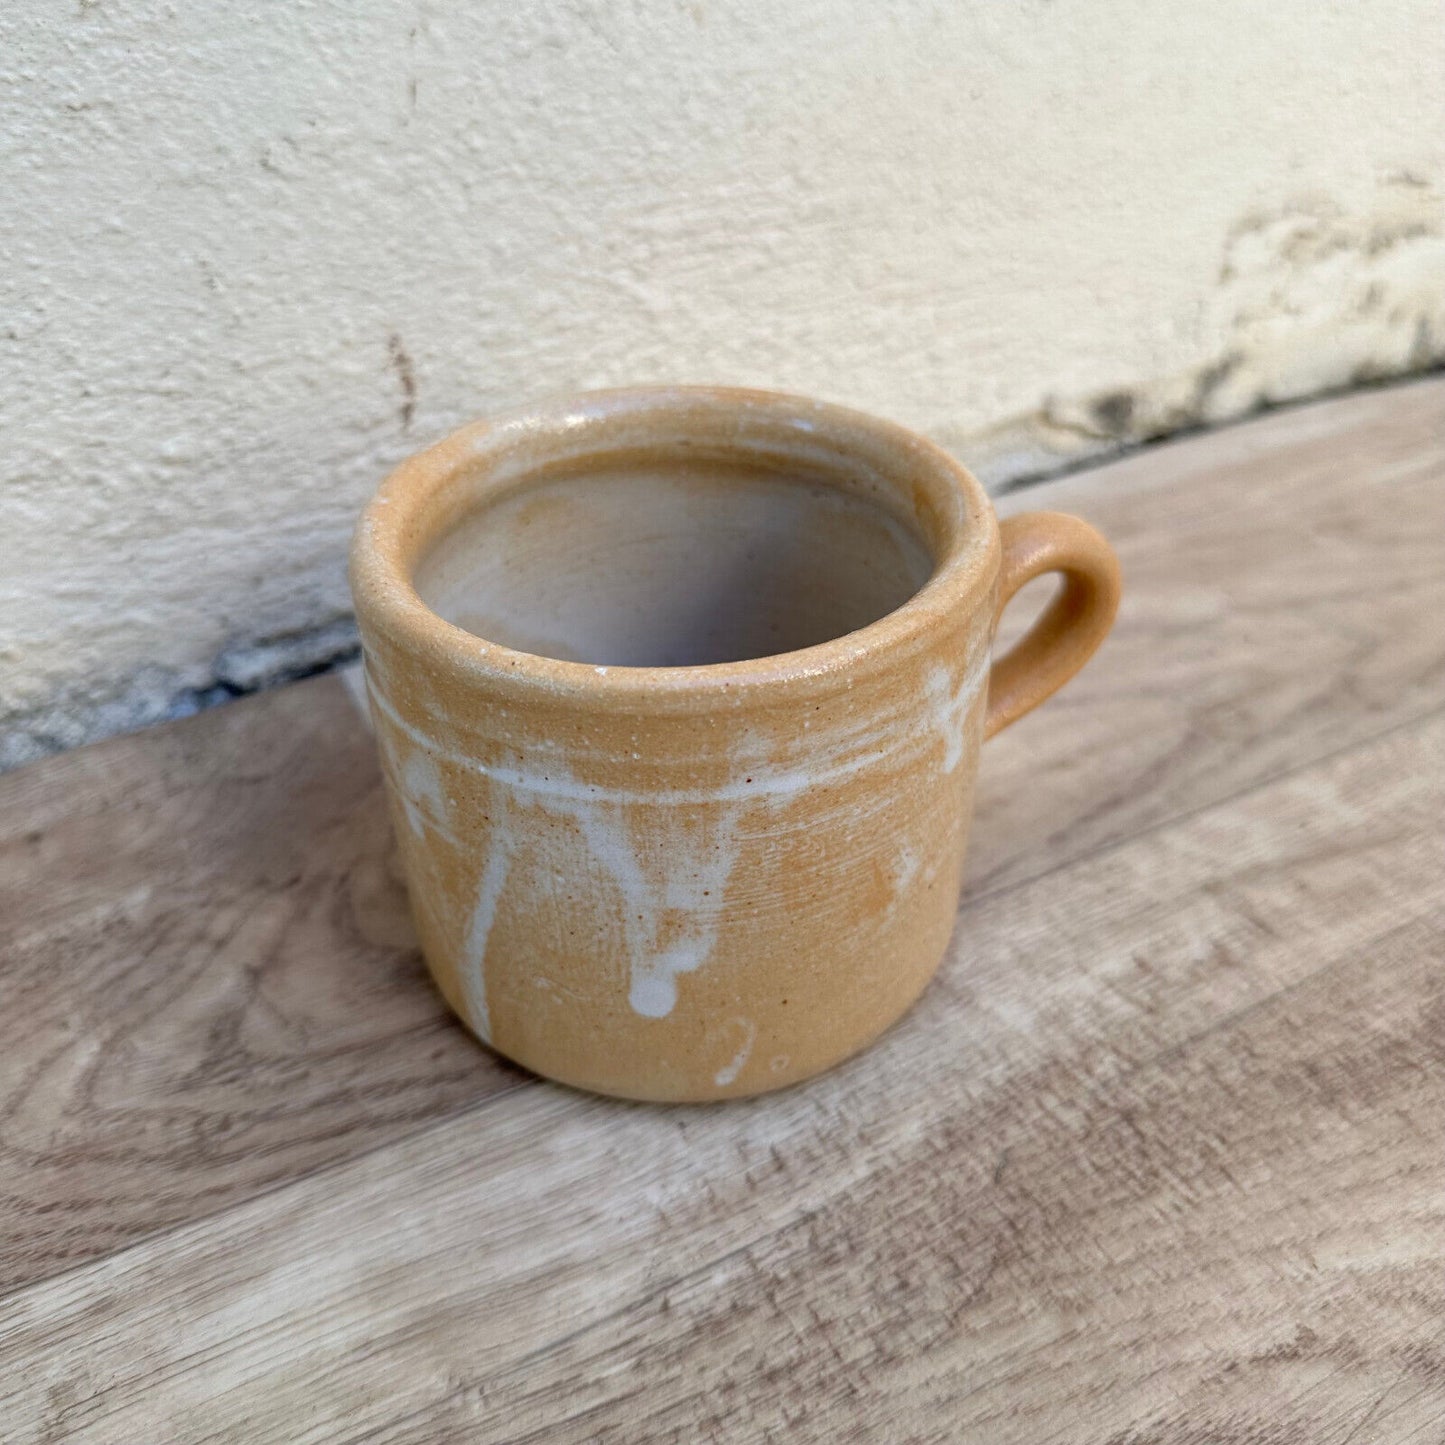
(696, 881)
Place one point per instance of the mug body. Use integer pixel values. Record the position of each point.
(642, 860)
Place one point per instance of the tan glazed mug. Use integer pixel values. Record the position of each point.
(679, 694)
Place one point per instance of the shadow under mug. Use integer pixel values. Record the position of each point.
(679, 694)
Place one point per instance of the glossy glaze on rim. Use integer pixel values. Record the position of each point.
(401, 524)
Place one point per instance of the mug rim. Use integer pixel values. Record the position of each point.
(389, 540)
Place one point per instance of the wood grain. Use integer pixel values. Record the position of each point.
(1098, 1164)
(1284, 590)
(1156, 1159)
(210, 980)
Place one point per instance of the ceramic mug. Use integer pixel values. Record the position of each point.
(679, 695)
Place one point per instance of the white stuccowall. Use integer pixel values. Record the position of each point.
(253, 255)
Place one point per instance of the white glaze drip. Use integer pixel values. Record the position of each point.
(734, 1066)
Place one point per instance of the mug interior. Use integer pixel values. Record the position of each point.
(671, 544)
(656, 556)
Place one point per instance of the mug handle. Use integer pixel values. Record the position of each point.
(1070, 628)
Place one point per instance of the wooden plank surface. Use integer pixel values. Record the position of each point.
(1155, 1159)
(1284, 597)
(212, 984)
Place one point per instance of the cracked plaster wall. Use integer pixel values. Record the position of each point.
(254, 255)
